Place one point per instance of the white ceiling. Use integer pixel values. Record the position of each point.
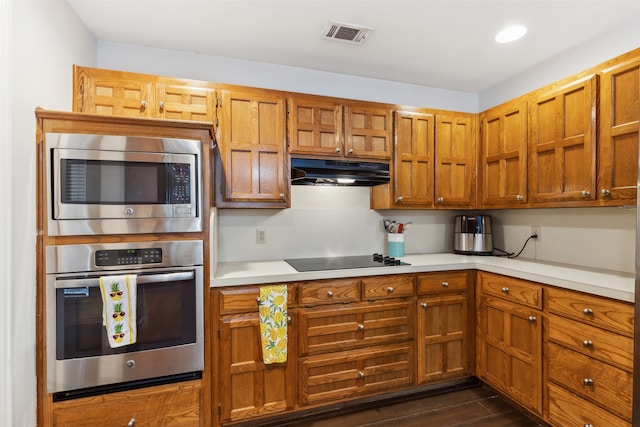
(437, 43)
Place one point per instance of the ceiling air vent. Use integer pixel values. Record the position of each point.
(355, 34)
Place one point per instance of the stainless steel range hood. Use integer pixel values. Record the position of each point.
(338, 172)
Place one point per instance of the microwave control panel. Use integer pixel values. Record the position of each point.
(107, 258)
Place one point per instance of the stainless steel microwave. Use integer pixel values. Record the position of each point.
(108, 184)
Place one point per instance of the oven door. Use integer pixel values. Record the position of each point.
(169, 330)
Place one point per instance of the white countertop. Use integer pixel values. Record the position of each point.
(598, 282)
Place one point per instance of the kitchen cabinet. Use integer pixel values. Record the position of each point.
(355, 348)
(119, 93)
(509, 338)
(455, 161)
(562, 143)
(618, 138)
(248, 388)
(321, 126)
(445, 326)
(413, 168)
(167, 405)
(589, 359)
(503, 159)
(252, 169)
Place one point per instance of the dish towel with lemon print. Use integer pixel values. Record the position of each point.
(119, 308)
(273, 323)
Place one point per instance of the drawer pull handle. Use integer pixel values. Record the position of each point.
(587, 312)
(605, 192)
(288, 319)
(132, 422)
(360, 327)
(532, 319)
(585, 193)
(588, 382)
(161, 106)
(399, 199)
(350, 151)
(587, 343)
(337, 149)
(588, 425)
(445, 284)
(330, 294)
(361, 374)
(423, 305)
(390, 289)
(258, 300)
(505, 290)
(143, 106)
(440, 199)
(519, 197)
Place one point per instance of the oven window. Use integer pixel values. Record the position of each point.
(166, 316)
(109, 182)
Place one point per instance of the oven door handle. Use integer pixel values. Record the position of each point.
(151, 278)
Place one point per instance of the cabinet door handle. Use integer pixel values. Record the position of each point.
(281, 196)
(588, 425)
(390, 289)
(258, 300)
(423, 305)
(585, 193)
(288, 319)
(587, 343)
(604, 192)
(399, 199)
(350, 151)
(143, 106)
(587, 311)
(519, 197)
(360, 327)
(532, 319)
(440, 199)
(588, 382)
(445, 284)
(361, 374)
(161, 106)
(132, 422)
(330, 294)
(337, 149)
(505, 290)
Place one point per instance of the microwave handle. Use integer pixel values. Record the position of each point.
(151, 278)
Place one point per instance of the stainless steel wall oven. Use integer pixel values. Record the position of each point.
(106, 184)
(170, 337)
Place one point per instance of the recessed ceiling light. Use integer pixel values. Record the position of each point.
(511, 33)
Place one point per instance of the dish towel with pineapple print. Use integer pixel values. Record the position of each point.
(273, 323)
(119, 308)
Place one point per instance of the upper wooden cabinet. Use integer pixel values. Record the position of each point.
(323, 126)
(252, 147)
(562, 143)
(120, 93)
(455, 161)
(503, 158)
(618, 139)
(413, 175)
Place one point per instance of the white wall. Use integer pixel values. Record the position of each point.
(46, 39)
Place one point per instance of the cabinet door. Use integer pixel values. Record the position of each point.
(442, 338)
(414, 159)
(510, 350)
(315, 127)
(350, 374)
(179, 101)
(562, 144)
(111, 93)
(618, 140)
(367, 132)
(249, 388)
(252, 150)
(503, 160)
(455, 161)
(169, 405)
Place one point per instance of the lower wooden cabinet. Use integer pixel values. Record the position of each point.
(167, 405)
(354, 373)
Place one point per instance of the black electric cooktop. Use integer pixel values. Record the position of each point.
(343, 262)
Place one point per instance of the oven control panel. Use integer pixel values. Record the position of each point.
(111, 257)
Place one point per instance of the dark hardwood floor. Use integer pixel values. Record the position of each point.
(476, 406)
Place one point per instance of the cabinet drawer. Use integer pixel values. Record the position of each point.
(446, 281)
(594, 380)
(568, 410)
(329, 291)
(326, 329)
(598, 311)
(380, 287)
(245, 299)
(173, 405)
(520, 291)
(595, 342)
(355, 373)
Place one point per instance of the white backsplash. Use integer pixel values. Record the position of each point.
(336, 221)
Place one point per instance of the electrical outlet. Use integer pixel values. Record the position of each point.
(261, 235)
(537, 231)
